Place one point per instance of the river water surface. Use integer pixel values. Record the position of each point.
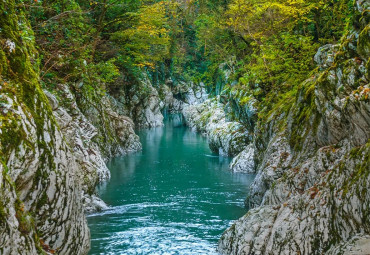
(174, 197)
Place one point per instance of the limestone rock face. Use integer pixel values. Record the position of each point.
(40, 181)
(243, 112)
(140, 101)
(311, 193)
(277, 158)
(225, 137)
(115, 134)
(244, 161)
(148, 111)
(357, 245)
(171, 104)
(93, 203)
(177, 98)
(196, 95)
(40, 186)
(309, 220)
(79, 133)
(83, 137)
(324, 57)
(145, 106)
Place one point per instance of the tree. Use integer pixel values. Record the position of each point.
(147, 40)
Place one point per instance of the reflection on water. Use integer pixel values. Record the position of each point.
(174, 197)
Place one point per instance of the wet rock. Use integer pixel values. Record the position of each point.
(92, 203)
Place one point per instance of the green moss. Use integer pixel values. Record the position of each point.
(26, 223)
(43, 200)
(19, 79)
(361, 169)
(38, 245)
(3, 61)
(3, 214)
(363, 44)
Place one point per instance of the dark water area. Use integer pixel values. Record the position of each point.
(174, 197)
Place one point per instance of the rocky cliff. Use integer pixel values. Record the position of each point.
(54, 146)
(40, 180)
(94, 137)
(310, 149)
(311, 194)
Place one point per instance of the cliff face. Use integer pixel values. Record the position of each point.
(311, 192)
(40, 201)
(55, 144)
(140, 101)
(54, 147)
(94, 137)
(41, 207)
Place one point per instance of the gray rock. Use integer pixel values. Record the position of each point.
(305, 221)
(52, 100)
(357, 245)
(244, 161)
(196, 95)
(81, 136)
(147, 110)
(225, 137)
(324, 57)
(171, 104)
(93, 203)
(311, 193)
(276, 161)
(42, 177)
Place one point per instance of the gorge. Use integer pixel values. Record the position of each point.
(95, 156)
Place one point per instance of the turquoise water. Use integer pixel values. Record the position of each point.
(174, 197)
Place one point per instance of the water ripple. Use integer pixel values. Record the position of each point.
(174, 197)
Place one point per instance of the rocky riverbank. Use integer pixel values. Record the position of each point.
(311, 192)
(41, 209)
(71, 102)
(225, 137)
(54, 147)
(94, 138)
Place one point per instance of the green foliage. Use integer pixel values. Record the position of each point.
(279, 62)
(101, 72)
(98, 41)
(146, 42)
(268, 46)
(256, 48)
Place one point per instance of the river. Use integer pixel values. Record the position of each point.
(173, 197)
